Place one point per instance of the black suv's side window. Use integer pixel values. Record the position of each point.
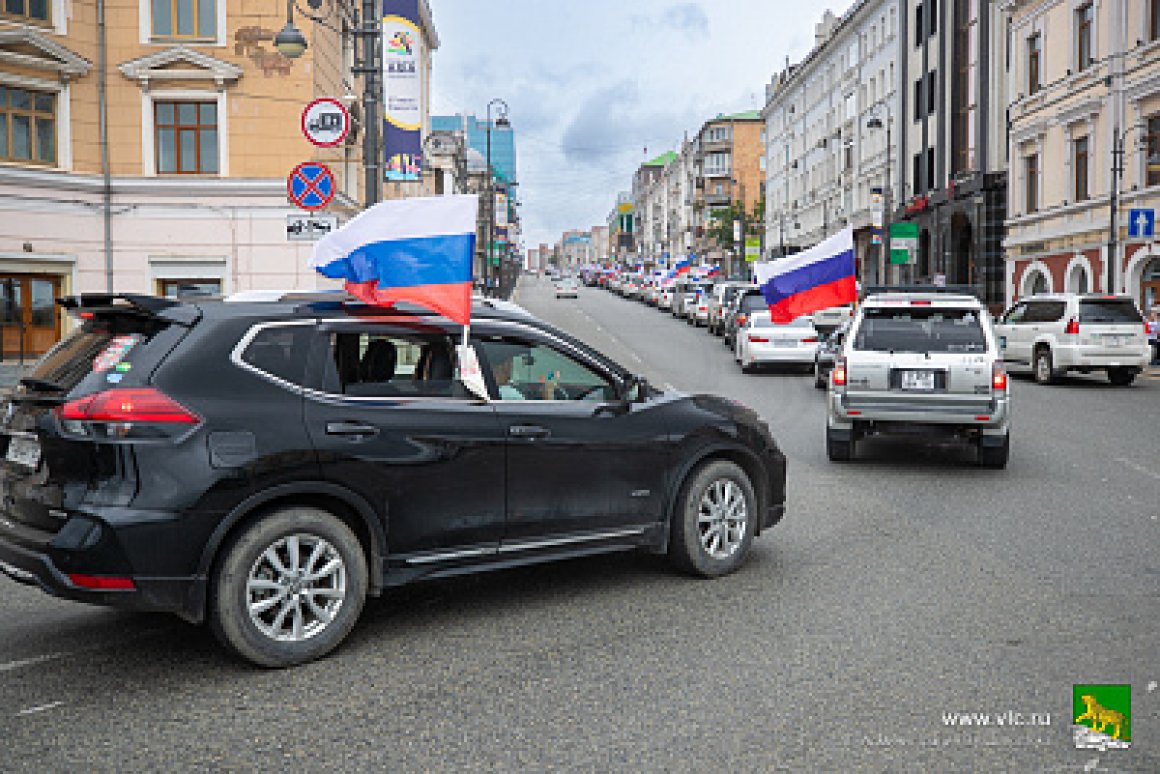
(280, 351)
(527, 370)
(384, 364)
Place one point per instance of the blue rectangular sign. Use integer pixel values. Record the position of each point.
(1141, 222)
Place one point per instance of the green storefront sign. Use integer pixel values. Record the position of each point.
(752, 248)
(903, 243)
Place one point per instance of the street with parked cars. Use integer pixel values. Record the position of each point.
(746, 570)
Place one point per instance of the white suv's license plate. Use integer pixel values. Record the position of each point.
(918, 380)
(24, 450)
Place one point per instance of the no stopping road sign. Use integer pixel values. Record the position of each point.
(311, 185)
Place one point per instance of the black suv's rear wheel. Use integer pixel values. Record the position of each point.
(289, 588)
(714, 520)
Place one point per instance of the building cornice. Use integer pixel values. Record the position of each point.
(190, 187)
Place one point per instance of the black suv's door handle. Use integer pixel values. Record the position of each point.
(359, 429)
(528, 431)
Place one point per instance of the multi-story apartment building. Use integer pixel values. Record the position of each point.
(728, 160)
(1084, 84)
(953, 148)
(145, 146)
(651, 185)
(622, 243)
(823, 162)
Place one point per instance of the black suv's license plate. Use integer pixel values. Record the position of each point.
(24, 450)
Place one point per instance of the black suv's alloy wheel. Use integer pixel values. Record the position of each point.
(289, 588)
(714, 520)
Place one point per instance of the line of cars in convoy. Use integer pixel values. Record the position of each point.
(927, 362)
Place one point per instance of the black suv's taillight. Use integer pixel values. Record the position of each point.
(126, 414)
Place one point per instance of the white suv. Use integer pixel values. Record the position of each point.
(1059, 332)
(924, 364)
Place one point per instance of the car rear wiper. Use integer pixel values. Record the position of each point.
(43, 385)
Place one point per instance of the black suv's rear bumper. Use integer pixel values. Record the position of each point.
(48, 564)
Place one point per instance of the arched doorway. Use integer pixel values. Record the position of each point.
(1150, 286)
(959, 272)
(1077, 279)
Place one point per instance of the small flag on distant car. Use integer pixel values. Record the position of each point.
(814, 279)
(416, 250)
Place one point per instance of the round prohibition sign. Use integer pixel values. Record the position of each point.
(311, 185)
(325, 122)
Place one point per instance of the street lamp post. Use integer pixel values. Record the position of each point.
(876, 123)
(489, 237)
(291, 43)
(1119, 139)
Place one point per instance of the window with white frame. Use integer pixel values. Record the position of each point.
(1084, 20)
(27, 11)
(186, 137)
(28, 126)
(717, 163)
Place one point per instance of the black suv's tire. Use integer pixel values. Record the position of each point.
(1121, 377)
(299, 607)
(838, 450)
(1042, 366)
(995, 456)
(714, 520)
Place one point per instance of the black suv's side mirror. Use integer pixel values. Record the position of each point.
(637, 389)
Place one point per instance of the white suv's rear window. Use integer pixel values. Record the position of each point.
(1109, 310)
(919, 329)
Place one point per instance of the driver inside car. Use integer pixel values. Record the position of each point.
(502, 373)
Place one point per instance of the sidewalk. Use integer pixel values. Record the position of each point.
(11, 371)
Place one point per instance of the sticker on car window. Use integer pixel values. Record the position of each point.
(115, 351)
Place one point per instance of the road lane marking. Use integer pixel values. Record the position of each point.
(1138, 468)
(25, 662)
(41, 708)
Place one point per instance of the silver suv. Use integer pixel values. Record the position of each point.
(920, 364)
(1060, 332)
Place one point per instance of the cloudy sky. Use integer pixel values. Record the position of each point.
(592, 84)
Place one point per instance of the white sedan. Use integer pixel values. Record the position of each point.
(762, 342)
(567, 288)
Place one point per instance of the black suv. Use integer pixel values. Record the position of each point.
(265, 466)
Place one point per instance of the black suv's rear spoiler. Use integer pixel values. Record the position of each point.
(136, 305)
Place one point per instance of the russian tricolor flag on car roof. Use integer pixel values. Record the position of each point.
(814, 279)
(417, 250)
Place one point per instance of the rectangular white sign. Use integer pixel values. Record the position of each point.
(308, 228)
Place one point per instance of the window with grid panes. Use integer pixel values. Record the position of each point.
(26, 10)
(1031, 181)
(184, 18)
(1153, 175)
(1033, 53)
(1083, 37)
(186, 137)
(1080, 164)
(27, 126)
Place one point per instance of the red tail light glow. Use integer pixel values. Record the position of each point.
(742, 319)
(1072, 328)
(920, 302)
(998, 376)
(810, 340)
(146, 404)
(838, 375)
(758, 339)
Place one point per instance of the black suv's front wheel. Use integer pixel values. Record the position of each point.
(288, 588)
(714, 520)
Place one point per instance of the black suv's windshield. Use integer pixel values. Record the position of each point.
(920, 329)
(1110, 310)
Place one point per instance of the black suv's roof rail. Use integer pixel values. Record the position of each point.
(952, 290)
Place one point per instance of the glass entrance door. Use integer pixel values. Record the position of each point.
(29, 314)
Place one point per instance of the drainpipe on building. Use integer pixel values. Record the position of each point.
(102, 106)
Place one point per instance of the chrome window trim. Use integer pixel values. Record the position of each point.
(562, 541)
(247, 339)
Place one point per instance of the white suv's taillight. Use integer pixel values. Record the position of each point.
(838, 374)
(998, 376)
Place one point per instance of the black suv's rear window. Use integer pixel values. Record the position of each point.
(71, 360)
(1109, 310)
(919, 329)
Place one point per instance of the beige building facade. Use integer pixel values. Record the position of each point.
(1085, 83)
(145, 147)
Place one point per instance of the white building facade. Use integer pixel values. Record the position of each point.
(822, 161)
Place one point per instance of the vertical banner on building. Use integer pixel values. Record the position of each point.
(402, 90)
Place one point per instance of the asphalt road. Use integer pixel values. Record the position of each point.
(903, 586)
